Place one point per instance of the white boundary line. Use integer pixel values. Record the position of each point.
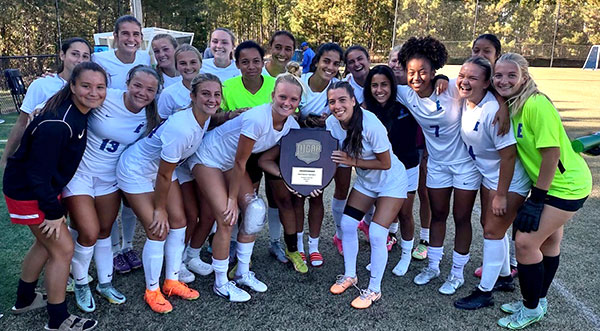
(585, 310)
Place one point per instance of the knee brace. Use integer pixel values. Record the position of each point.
(254, 216)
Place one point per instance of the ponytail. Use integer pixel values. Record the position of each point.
(353, 142)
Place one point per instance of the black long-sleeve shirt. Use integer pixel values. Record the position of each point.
(47, 158)
(402, 132)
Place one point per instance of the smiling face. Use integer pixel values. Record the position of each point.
(358, 64)
(207, 98)
(163, 52)
(471, 82)
(508, 79)
(221, 44)
(399, 72)
(485, 49)
(188, 65)
(141, 90)
(419, 76)
(381, 88)
(250, 63)
(78, 52)
(89, 90)
(282, 50)
(341, 104)
(328, 65)
(286, 98)
(129, 37)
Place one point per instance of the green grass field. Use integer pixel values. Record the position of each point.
(296, 302)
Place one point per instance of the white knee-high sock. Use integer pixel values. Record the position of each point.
(174, 246)
(300, 243)
(80, 264)
(220, 268)
(74, 234)
(337, 210)
(402, 267)
(313, 244)
(505, 271)
(274, 224)
(152, 259)
(494, 252)
(350, 243)
(379, 255)
(458, 264)
(424, 234)
(104, 260)
(191, 253)
(128, 221)
(244, 254)
(394, 228)
(434, 254)
(369, 215)
(115, 237)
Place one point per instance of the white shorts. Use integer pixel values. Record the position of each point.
(464, 176)
(94, 186)
(412, 177)
(138, 184)
(184, 173)
(521, 187)
(394, 187)
(206, 159)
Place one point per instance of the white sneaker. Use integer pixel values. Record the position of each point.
(234, 293)
(249, 279)
(426, 275)
(185, 276)
(200, 267)
(451, 284)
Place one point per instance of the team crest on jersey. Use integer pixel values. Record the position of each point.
(438, 105)
(308, 150)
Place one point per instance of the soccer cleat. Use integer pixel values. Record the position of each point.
(120, 264)
(111, 294)
(477, 299)
(514, 307)
(185, 276)
(338, 244)
(426, 275)
(316, 259)
(391, 241)
(200, 267)
(71, 283)
(249, 279)
(277, 252)
(420, 251)
(232, 292)
(522, 319)
(175, 287)
(84, 299)
(504, 284)
(40, 301)
(364, 228)
(157, 301)
(297, 262)
(342, 283)
(132, 259)
(451, 284)
(366, 299)
(478, 272)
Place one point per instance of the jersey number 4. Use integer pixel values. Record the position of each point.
(108, 145)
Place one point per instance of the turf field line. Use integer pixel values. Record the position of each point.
(585, 310)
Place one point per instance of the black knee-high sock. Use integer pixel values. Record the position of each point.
(531, 278)
(58, 313)
(291, 242)
(25, 293)
(550, 267)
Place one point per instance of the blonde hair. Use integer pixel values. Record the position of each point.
(186, 48)
(171, 40)
(290, 77)
(529, 88)
(293, 68)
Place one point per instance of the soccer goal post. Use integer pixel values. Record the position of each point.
(592, 59)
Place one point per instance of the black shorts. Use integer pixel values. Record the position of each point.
(254, 171)
(563, 204)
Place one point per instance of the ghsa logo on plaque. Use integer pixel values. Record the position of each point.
(308, 150)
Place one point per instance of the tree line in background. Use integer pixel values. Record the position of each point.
(29, 27)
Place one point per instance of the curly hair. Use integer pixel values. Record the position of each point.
(424, 48)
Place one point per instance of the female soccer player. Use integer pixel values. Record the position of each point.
(281, 46)
(358, 63)
(219, 167)
(323, 71)
(72, 52)
(222, 43)
(146, 175)
(561, 183)
(92, 197)
(505, 183)
(381, 178)
(47, 158)
(163, 47)
(399, 72)
(380, 99)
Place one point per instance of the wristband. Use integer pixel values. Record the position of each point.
(538, 195)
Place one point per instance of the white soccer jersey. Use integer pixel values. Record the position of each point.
(174, 97)
(40, 90)
(220, 145)
(439, 118)
(358, 90)
(117, 71)
(173, 141)
(483, 143)
(111, 129)
(209, 67)
(168, 80)
(374, 141)
(313, 102)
